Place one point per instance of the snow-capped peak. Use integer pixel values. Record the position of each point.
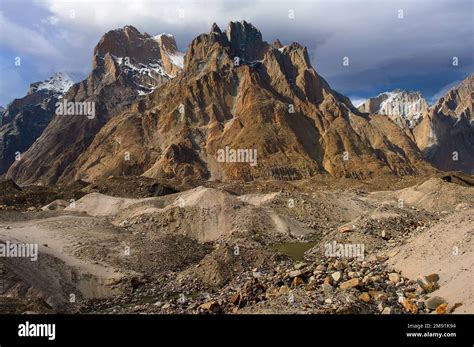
(169, 48)
(58, 83)
(404, 107)
(159, 36)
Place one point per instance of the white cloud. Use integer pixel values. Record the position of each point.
(23, 40)
(52, 20)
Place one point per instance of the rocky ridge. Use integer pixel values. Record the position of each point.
(126, 64)
(446, 133)
(239, 92)
(25, 119)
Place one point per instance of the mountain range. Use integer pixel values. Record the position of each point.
(166, 114)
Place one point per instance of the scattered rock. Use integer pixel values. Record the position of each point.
(336, 276)
(432, 277)
(235, 299)
(352, 283)
(295, 273)
(394, 277)
(408, 305)
(433, 302)
(297, 281)
(378, 295)
(300, 265)
(284, 289)
(346, 228)
(210, 306)
(393, 253)
(429, 283)
(327, 288)
(441, 309)
(365, 297)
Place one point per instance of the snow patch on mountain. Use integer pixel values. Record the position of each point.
(144, 69)
(406, 108)
(177, 59)
(159, 36)
(153, 71)
(168, 47)
(59, 83)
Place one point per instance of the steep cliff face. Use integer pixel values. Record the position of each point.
(446, 133)
(237, 92)
(126, 65)
(172, 58)
(25, 119)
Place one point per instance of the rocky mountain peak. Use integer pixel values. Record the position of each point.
(59, 83)
(127, 42)
(144, 60)
(240, 40)
(24, 119)
(167, 42)
(215, 29)
(406, 108)
(172, 58)
(458, 100)
(245, 41)
(446, 133)
(277, 44)
(127, 64)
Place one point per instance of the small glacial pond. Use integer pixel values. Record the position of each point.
(294, 250)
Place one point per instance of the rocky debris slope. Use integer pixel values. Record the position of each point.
(282, 286)
(34, 198)
(444, 249)
(179, 254)
(321, 283)
(24, 119)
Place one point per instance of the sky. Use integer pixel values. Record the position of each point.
(406, 44)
